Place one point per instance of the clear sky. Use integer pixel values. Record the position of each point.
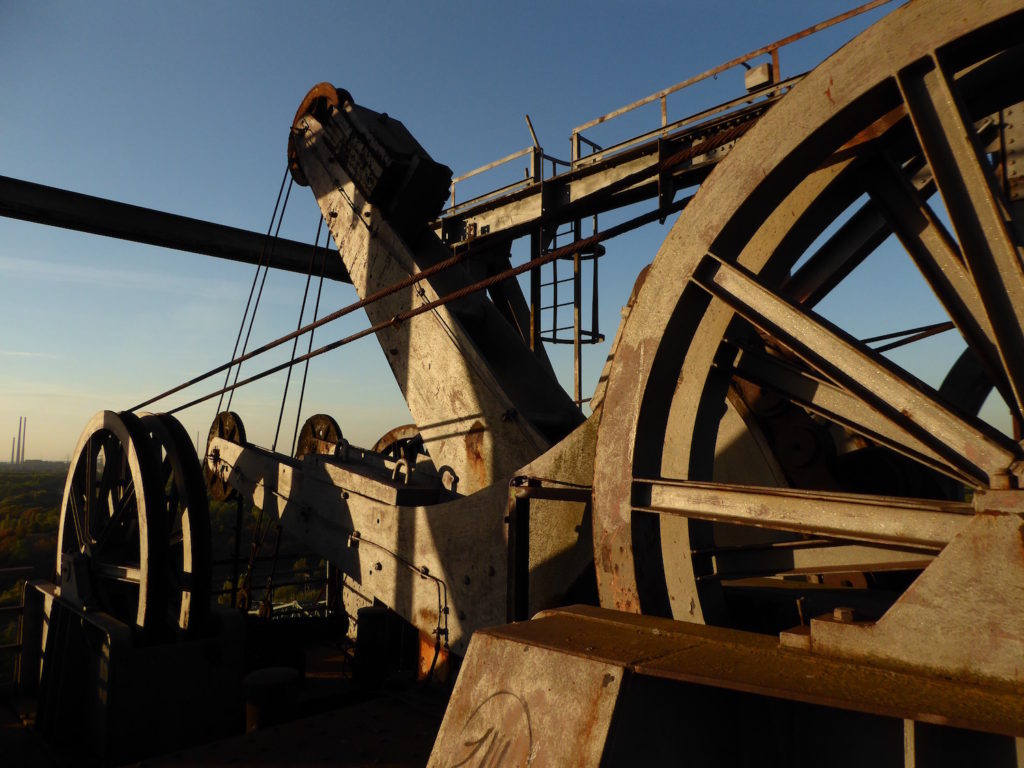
(185, 107)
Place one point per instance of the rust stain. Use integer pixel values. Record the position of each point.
(475, 453)
(876, 129)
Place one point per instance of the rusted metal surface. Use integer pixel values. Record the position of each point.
(958, 619)
(510, 707)
(461, 386)
(85, 213)
(665, 689)
(755, 663)
(748, 462)
(716, 306)
(441, 566)
(860, 517)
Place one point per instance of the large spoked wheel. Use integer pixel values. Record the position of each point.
(188, 519)
(111, 544)
(728, 378)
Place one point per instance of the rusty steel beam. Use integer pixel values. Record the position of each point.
(55, 207)
(887, 519)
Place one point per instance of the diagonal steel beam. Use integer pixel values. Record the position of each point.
(55, 207)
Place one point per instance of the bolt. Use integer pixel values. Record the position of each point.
(377, 566)
(843, 614)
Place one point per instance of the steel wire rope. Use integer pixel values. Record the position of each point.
(252, 288)
(263, 282)
(480, 285)
(305, 370)
(730, 134)
(295, 345)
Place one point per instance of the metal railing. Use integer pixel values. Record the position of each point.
(578, 141)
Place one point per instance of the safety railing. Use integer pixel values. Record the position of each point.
(770, 86)
(584, 150)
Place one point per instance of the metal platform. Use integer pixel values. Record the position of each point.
(585, 686)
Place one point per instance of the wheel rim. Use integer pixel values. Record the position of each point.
(110, 522)
(188, 519)
(317, 430)
(719, 303)
(395, 443)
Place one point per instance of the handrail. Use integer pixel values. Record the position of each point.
(537, 158)
(534, 174)
(771, 48)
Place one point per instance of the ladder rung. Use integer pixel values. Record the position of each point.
(557, 282)
(555, 306)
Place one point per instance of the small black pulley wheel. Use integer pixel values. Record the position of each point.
(228, 426)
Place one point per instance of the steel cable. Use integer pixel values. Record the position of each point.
(252, 288)
(295, 346)
(263, 282)
(305, 370)
(453, 296)
(714, 142)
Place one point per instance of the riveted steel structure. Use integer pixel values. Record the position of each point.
(774, 516)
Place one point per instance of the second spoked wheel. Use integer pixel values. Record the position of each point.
(740, 371)
(134, 535)
(186, 510)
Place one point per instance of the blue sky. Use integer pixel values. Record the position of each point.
(185, 107)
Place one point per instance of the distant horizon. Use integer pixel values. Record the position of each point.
(105, 324)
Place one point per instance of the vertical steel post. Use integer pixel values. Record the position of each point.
(577, 300)
(536, 243)
(594, 324)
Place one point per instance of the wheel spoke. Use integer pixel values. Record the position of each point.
(967, 442)
(824, 398)
(125, 506)
(885, 519)
(940, 261)
(803, 557)
(89, 507)
(976, 207)
(111, 470)
(76, 518)
(131, 574)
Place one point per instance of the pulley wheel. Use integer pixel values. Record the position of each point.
(188, 519)
(226, 425)
(317, 430)
(112, 540)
